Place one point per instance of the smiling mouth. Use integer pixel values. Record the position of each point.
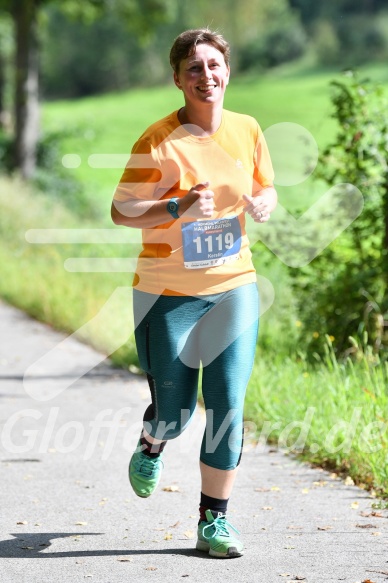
(206, 88)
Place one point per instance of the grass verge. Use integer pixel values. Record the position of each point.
(331, 414)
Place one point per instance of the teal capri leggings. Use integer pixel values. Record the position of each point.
(174, 335)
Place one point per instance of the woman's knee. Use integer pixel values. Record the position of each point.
(166, 429)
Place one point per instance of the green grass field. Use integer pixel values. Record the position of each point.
(110, 124)
(284, 388)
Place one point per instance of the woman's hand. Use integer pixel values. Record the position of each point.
(198, 203)
(260, 207)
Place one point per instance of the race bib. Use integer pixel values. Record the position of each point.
(211, 243)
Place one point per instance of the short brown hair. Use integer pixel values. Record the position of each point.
(185, 44)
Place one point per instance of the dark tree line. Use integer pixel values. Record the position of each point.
(140, 15)
(67, 48)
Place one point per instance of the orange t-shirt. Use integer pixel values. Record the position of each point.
(188, 256)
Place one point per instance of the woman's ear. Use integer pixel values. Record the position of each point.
(176, 81)
(228, 75)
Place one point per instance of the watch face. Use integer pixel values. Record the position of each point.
(172, 207)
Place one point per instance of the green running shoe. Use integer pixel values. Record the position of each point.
(214, 537)
(144, 472)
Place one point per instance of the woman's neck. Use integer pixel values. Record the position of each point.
(206, 121)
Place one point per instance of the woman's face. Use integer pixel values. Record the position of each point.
(203, 77)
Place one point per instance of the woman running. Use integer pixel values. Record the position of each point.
(191, 179)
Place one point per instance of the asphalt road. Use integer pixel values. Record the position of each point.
(68, 513)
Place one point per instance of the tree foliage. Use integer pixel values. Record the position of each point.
(345, 32)
(140, 16)
(344, 291)
(262, 33)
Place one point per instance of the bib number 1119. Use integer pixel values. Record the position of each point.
(213, 244)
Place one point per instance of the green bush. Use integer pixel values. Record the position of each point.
(6, 152)
(54, 180)
(280, 44)
(51, 177)
(326, 43)
(362, 39)
(343, 292)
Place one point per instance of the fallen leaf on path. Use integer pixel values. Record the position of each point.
(354, 505)
(305, 490)
(22, 522)
(125, 559)
(151, 568)
(372, 513)
(376, 533)
(81, 523)
(320, 483)
(175, 525)
(267, 508)
(261, 489)
(189, 533)
(324, 527)
(366, 526)
(172, 488)
(285, 574)
(275, 489)
(293, 527)
(168, 536)
(349, 481)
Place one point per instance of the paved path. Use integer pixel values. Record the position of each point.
(69, 515)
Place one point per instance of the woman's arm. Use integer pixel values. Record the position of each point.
(198, 203)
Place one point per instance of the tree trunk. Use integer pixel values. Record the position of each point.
(26, 86)
(2, 91)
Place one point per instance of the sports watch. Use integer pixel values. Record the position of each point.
(173, 207)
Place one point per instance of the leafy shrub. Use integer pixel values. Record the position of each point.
(6, 152)
(343, 292)
(282, 43)
(362, 38)
(326, 43)
(51, 178)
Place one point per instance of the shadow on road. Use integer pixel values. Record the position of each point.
(34, 545)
